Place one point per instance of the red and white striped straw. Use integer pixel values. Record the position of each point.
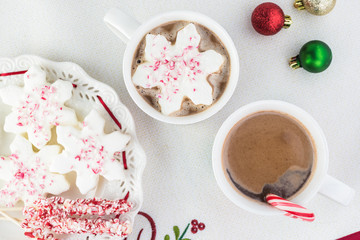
(291, 209)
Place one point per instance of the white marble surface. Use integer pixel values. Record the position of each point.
(178, 180)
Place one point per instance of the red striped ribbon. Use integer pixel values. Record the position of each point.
(12, 73)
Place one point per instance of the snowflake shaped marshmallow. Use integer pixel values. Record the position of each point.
(26, 174)
(37, 107)
(90, 152)
(179, 70)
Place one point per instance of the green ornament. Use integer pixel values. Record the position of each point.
(315, 56)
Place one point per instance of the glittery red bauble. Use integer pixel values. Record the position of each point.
(268, 18)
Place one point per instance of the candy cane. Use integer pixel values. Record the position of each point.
(291, 209)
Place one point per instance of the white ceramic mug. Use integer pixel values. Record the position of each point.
(319, 180)
(132, 32)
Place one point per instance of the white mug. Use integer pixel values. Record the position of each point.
(319, 180)
(132, 32)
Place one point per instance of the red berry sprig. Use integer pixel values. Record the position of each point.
(196, 226)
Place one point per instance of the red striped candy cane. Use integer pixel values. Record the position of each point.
(291, 209)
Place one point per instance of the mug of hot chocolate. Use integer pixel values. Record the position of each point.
(273, 147)
(179, 67)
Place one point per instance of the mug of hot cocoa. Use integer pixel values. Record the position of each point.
(179, 67)
(273, 147)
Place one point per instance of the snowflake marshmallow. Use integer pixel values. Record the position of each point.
(90, 152)
(179, 70)
(26, 174)
(37, 107)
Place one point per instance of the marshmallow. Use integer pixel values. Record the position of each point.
(37, 107)
(26, 174)
(179, 70)
(90, 152)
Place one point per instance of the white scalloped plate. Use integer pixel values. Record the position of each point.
(85, 98)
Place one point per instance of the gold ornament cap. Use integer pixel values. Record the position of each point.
(316, 7)
(287, 22)
(299, 5)
(294, 63)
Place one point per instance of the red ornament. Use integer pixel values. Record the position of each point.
(268, 19)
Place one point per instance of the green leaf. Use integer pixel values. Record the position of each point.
(167, 237)
(177, 232)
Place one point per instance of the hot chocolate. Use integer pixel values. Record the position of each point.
(268, 152)
(181, 68)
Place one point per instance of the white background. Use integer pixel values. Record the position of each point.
(178, 181)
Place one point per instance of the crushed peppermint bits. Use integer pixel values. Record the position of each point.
(92, 153)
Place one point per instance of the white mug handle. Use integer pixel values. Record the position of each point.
(121, 24)
(337, 190)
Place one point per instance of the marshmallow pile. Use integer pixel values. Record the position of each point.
(35, 168)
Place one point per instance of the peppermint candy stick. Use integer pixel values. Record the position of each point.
(80, 207)
(40, 227)
(291, 209)
(53, 215)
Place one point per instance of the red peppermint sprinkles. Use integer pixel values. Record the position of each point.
(56, 215)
